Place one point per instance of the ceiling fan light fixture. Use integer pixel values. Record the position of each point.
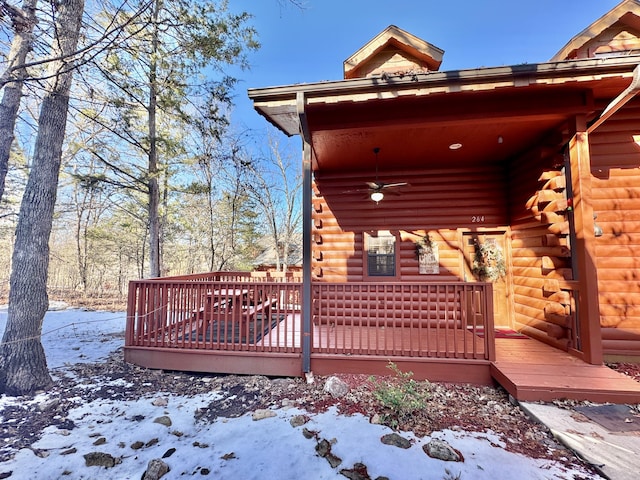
(377, 196)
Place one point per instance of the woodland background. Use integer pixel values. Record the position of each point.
(149, 116)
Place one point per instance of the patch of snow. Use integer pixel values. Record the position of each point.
(238, 448)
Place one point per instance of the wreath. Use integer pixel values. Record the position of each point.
(424, 245)
(488, 262)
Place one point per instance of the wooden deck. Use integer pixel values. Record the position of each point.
(533, 371)
(437, 331)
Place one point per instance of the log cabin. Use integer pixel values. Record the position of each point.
(472, 225)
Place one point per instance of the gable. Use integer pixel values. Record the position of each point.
(393, 51)
(615, 33)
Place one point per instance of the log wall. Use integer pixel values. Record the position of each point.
(438, 202)
(540, 248)
(615, 161)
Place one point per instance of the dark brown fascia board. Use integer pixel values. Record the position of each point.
(518, 75)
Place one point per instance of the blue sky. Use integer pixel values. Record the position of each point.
(310, 45)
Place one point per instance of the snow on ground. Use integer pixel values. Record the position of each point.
(239, 448)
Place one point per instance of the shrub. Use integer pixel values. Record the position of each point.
(401, 396)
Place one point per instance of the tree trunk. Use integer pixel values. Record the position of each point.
(23, 366)
(21, 45)
(154, 189)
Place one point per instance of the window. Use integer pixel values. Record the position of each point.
(381, 254)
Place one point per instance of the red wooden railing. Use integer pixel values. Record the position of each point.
(237, 312)
(214, 312)
(446, 320)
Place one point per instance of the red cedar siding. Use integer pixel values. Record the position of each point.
(438, 201)
(615, 161)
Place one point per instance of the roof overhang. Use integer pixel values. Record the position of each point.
(494, 113)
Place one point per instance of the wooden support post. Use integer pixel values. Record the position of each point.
(307, 203)
(583, 245)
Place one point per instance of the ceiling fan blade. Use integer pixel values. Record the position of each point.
(356, 190)
(391, 185)
(375, 185)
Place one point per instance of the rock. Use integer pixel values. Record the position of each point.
(160, 402)
(69, 451)
(137, 445)
(442, 451)
(336, 387)
(100, 441)
(51, 404)
(152, 442)
(358, 472)
(155, 469)
(298, 420)
(163, 420)
(309, 434)
(396, 440)
(169, 452)
(376, 419)
(323, 448)
(100, 459)
(261, 414)
(333, 460)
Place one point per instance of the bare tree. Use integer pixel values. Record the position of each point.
(23, 365)
(275, 185)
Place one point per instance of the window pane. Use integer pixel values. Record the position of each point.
(381, 256)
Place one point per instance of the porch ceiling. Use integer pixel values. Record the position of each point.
(419, 132)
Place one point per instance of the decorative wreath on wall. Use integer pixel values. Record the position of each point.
(488, 262)
(424, 245)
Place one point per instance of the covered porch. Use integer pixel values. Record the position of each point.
(238, 323)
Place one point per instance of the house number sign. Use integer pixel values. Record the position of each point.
(477, 218)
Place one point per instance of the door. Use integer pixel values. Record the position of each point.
(486, 260)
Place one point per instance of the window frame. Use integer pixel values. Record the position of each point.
(367, 256)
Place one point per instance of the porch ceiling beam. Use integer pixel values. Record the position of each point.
(446, 111)
(450, 122)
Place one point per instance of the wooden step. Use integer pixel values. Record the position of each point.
(533, 371)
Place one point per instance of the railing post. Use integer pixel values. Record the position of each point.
(131, 314)
(490, 346)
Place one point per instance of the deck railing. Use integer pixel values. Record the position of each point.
(404, 319)
(237, 312)
(200, 313)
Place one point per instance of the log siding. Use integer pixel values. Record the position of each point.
(439, 202)
(615, 169)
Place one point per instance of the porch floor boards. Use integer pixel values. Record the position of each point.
(372, 340)
(534, 371)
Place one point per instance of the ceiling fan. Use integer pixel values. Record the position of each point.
(376, 188)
